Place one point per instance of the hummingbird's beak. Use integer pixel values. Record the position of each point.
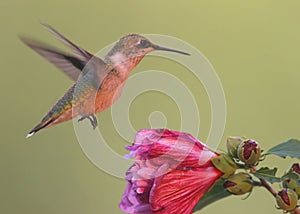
(156, 47)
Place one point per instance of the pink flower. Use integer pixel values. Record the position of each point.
(171, 172)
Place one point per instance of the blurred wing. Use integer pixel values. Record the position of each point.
(179, 191)
(70, 65)
(78, 50)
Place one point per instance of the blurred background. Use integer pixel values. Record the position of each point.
(254, 47)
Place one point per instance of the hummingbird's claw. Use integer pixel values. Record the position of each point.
(92, 119)
(82, 118)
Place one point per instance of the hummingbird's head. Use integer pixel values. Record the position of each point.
(134, 47)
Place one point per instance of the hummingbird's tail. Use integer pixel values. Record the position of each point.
(54, 116)
(60, 112)
(38, 127)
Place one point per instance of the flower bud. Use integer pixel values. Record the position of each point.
(291, 178)
(297, 190)
(239, 183)
(225, 164)
(249, 152)
(289, 183)
(287, 199)
(232, 145)
(295, 168)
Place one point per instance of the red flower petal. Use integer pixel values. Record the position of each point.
(179, 191)
(171, 172)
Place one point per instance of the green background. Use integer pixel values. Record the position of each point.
(253, 45)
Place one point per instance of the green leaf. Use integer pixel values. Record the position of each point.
(291, 175)
(216, 193)
(289, 148)
(267, 174)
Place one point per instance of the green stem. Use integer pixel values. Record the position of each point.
(266, 184)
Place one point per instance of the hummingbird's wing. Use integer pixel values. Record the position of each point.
(78, 50)
(69, 64)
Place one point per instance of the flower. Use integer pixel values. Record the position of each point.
(171, 172)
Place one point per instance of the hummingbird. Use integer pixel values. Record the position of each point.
(98, 83)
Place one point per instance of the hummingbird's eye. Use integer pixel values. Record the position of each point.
(144, 43)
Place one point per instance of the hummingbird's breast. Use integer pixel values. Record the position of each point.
(113, 83)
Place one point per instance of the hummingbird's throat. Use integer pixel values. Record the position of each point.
(123, 63)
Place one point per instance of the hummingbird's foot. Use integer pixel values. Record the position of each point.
(92, 119)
